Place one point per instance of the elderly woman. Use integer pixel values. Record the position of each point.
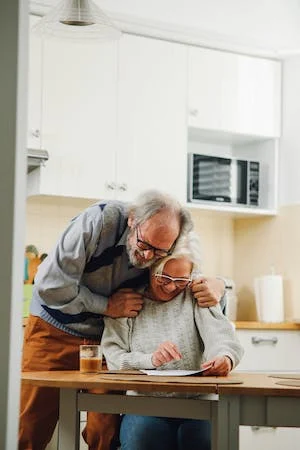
(171, 332)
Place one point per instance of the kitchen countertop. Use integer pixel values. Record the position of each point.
(247, 325)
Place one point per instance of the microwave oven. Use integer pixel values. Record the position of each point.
(216, 179)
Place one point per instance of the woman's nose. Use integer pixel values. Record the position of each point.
(170, 287)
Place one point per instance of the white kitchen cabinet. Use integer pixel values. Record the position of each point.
(113, 119)
(117, 118)
(78, 119)
(152, 131)
(234, 93)
(269, 351)
(268, 438)
(234, 104)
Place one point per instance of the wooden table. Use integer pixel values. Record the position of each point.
(251, 399)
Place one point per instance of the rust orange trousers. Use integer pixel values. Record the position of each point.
(48, 348)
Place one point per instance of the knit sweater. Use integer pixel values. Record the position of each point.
(199, 333)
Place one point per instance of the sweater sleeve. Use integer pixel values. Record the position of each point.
(218, 334)
(58, 280)
(116, 346)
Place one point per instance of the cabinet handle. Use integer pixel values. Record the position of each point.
(258, 340)
(35, 133)
(122, 187)
(110, 186)
(194, 112)
(256, 428)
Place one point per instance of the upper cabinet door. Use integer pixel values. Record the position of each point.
(78, 117)
(212, 81)
(234, 93)
(152, 117)
(259, 96)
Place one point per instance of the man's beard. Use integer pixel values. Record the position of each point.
(131, 251)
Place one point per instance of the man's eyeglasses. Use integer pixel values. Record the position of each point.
(144, 246)
(180, 283)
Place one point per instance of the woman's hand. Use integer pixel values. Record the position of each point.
(221, 366)
(208, 291)
(166, 352)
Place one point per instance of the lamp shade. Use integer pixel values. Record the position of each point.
(77, 20)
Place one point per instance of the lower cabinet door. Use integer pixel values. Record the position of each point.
(269, 351)
(267, 438)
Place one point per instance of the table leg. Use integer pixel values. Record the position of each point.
(69, 419)
(225, 423)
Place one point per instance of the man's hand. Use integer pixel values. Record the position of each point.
(221, 366)
(208, 291)
(124, 303)
(166, 352)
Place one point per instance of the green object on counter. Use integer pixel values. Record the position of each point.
(27, 295)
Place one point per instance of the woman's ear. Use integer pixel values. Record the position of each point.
(130, 220)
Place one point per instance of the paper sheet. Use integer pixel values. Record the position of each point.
(174, 373)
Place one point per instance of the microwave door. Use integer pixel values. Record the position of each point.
(211, 178)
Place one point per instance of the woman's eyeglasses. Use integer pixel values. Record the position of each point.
(180, 283)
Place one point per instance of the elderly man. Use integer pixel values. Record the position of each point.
(97, 262)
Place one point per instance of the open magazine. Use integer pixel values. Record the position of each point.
(174, 373)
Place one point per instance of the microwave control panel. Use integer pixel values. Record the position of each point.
(253, 191)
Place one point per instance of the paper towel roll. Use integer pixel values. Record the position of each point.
(269, 298)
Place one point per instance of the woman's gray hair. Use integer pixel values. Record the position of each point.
(152, 202)
(187, 246)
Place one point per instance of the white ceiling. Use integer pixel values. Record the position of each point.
(265, 25)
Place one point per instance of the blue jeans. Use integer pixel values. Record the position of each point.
(164, 433)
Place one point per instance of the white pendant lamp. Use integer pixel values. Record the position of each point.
(77, 20)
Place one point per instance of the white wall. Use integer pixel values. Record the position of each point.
(47, 217)
(290, 141)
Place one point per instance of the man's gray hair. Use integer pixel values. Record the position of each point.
(187, 246)
(152, 202)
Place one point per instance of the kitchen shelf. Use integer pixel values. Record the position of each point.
(236, 211)
(246, 147)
